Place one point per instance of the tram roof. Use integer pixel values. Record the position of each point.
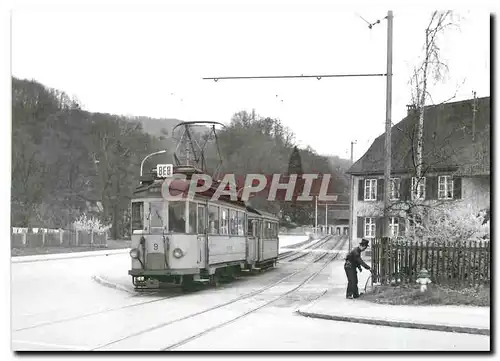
(153, 188)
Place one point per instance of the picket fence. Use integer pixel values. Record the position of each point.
(460, 263)
(58, 238)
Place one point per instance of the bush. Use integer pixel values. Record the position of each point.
(435, 295)
(84, 223)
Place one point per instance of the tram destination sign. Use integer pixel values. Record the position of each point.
(164, 170)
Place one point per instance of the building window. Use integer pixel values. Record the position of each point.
(445, 190)
(370, 189)
(369, 227)
(417, 188)
(394, 226)
(395, 188)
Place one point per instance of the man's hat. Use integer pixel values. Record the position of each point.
(364, 242)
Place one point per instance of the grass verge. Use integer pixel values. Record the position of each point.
(435, 295)
(27, 251)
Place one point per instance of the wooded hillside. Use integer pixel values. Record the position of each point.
(67, 161)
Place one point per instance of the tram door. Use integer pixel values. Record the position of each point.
(252, 241)
(202, 232)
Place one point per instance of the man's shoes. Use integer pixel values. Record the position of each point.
(349, 297)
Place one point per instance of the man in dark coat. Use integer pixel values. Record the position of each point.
(353, 261)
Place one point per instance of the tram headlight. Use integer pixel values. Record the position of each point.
(134, 253)
(178, 253)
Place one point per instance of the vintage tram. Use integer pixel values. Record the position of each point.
(195, 239)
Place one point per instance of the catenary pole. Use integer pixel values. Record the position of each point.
(388, 126)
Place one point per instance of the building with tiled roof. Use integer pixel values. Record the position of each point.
(455, 164)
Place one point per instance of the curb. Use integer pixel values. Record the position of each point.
(106, 283)
(403, 324)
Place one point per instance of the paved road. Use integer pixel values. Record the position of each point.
(57, 306)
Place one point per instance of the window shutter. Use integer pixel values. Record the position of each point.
(402, 226)
(361, 227)
(431, 187)
(361, 190)
(380, 189)
(379, 222)
(457, 188)
(405, 189)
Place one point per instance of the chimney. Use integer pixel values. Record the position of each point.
(411, 109)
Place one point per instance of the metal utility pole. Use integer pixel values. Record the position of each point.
(316, 215)
(326, 218)
(474, 110)
(351, 197)
(388, 126)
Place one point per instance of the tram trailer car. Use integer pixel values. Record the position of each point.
(198, 240)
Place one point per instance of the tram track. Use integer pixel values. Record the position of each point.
(302, 252)
(340, 241)
(308, 250)
(95, 313)
(112, 309)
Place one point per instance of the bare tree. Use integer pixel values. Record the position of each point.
(432, 65)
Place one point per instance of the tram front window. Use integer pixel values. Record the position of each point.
(157, 221)
(137, 216)
(177, 216)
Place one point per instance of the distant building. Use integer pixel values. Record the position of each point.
(338, 219)
(456, 165)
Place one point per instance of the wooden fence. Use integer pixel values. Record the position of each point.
(60, 238)
(464, 263)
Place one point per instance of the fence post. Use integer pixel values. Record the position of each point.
(91, 237)
(43, 238)
(474, 265)
(76, 237)
(481, 255)
(61, 236)
(25, 236)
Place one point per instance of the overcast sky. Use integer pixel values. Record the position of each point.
(151, 62)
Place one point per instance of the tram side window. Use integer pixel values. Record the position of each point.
(240, 223)
(245, 222)
(224, 221)
(201, 219)
(250, 228)
(177, 216)
(192, 217)
(233, 222)
(137, 216)
(213, 219)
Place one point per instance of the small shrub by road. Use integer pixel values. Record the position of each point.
(435, 295)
